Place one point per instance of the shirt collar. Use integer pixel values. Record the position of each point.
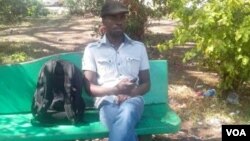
(104, 40)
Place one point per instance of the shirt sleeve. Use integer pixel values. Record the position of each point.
(144, 59)
(88, 61)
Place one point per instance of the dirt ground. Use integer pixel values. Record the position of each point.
(63, 35)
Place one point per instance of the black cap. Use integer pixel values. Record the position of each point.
(113, 7)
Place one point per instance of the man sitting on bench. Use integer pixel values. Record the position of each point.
(116, 71)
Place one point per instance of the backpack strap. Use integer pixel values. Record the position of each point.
(68, 72)
(74, 105)
(43, 94)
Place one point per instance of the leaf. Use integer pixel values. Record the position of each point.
(238, 35)
(239, 57)
(245, 61)
(210, 49)
(245, 37)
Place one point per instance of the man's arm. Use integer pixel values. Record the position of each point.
(92, 87)
(124, 87)
(144, 84)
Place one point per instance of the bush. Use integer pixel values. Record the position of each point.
(137, 19)
(221, 31)
(79, 7)
(12, 52)
(16, 10)
(139, 13)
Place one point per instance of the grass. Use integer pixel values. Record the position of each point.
(15, 52)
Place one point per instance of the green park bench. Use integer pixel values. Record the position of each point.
(17, 86)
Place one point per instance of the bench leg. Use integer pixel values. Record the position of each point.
(145, 137)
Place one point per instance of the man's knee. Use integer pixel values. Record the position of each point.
(130, 112)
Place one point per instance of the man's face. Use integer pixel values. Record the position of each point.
(114, 24)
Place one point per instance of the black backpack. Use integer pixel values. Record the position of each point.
(58, 98)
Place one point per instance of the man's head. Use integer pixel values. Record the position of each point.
(113, 15)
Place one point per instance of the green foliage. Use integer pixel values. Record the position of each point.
(19, 57)
(139, 13)
(35, 8)
(221, 31)
(137, 19)
(16, 10)
(13, 52)
(15, 57)
(159, 9)
(79, 7)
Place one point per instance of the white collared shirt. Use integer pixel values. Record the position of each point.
(112, 65)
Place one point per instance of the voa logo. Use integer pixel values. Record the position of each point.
(236, 132)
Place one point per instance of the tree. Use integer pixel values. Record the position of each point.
(17, 10)
(139, 13)
(137, 18)
(221, 32)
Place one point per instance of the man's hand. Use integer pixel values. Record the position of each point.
(125, 87)
(121, 98)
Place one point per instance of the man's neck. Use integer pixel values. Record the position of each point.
(116, 41)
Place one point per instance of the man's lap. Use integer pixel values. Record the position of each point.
(131, 109)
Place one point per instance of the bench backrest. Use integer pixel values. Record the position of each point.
(18, 82)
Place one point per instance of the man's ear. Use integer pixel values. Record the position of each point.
(102, 30)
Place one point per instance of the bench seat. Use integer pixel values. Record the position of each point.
(17, 87)
(16, 127)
